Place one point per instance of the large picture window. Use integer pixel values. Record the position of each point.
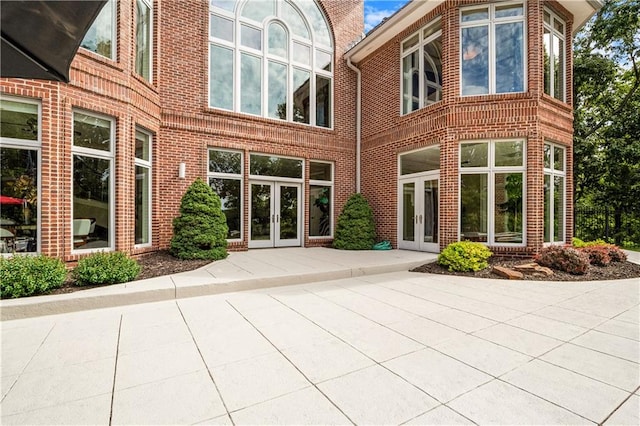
(93, 189)
(492, 49)
(320, 199)
(225, 178)
(19, 175)
(422, 68)
(554, 193)
(554, 55)
(101, 36)
(272, 59)
(143, 188)
(492, 192)
(143, 38)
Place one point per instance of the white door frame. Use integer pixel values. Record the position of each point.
(274, 234)
(418, 216)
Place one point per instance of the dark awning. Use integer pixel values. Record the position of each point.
(41, 37)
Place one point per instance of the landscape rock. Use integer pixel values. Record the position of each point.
(508, 273)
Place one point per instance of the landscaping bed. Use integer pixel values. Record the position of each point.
(614, 271)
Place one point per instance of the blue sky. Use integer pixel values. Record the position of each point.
(375, 10)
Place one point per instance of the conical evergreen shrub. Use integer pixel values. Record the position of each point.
(355, 228)
(200, 232)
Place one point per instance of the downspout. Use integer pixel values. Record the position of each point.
(358, 120)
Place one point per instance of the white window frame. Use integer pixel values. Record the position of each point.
(491, 170)
(139, 162)
(422, 42)
(231, 176)
(104, 155)
(315, 182)
(553, 32)
(149, 4)
(29, 145)
(114, 34)
(238, 49)
(552, 172)
(491, 43)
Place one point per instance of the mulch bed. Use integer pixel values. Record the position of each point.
(153, 265)
(615, 271)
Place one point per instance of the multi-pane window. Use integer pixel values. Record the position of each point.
(19, 175)
(554, 193)
(492, 192)
(320, 199)
(422, 68)
(225, 177)
(554, 55)
(101, 36)
(492, 49)
(143, 188)
(93, 186)
(271, 58)
(143, 39)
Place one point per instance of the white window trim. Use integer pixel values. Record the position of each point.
(147, 165)
(422, 42)
(491, 23)
(149, 4)
(265, 57)
(316, 182)
(32, 146)
(105, 155)
(231, 176)
(491, 170)
(551, 171)
(553, 32)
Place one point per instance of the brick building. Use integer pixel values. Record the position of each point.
(453, 118)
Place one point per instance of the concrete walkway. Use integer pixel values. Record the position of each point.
(248, 270)
(394, 348)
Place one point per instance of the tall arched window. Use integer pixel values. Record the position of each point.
(272, 58)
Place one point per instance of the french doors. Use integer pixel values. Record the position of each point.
(419, 215)
(275, 213)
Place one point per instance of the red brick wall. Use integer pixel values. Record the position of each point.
(531, 115)
(174, 108)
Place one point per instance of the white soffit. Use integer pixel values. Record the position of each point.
(581, 10)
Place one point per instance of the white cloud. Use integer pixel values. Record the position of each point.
(373, 16)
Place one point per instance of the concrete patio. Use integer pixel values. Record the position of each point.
(391, 348)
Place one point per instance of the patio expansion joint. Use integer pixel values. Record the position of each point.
(620, 405)
(115, 372)
(314, 385)
(195, 342)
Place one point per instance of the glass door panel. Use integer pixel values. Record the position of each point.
(408, 216)
(261, 215)
(428, 218)
(288, 215)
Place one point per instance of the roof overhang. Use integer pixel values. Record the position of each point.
(581, 10)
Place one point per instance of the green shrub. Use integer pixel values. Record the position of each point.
(464, 256)
(355, 228)
(578, 243)
(200, 232)
(106, 268)
(27, 275)
(567, 259)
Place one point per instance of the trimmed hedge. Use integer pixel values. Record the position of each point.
(464, 256)
(355, 227)
(28, 275)
(105, 268)
(200, 232)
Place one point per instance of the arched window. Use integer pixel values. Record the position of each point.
(272, 58)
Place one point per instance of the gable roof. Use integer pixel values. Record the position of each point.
(389, 28)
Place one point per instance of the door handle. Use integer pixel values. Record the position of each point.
(277, 218)
(272, 221)
(416, 216)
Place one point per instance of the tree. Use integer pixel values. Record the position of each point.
(355, 228)
(200, 231)
(607, 111)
